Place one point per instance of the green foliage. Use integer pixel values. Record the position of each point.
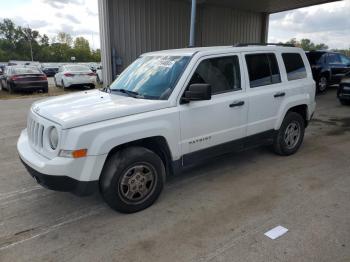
(307, 44)
(15, 43)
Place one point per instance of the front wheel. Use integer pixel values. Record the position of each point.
(132, 179)
(289, 137)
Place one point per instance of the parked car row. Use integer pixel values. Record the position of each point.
(32, 76)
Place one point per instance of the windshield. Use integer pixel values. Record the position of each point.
(31, 70)
(152, 77)
(77, 68)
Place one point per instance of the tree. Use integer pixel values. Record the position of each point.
(307, 44)
(16, 43)
(64, 38)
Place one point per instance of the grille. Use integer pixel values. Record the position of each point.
(35, 133)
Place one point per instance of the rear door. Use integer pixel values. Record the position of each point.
(207, 127)
(264, 89)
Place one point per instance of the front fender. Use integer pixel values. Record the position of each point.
(100, 138)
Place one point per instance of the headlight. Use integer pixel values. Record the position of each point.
(53, 138)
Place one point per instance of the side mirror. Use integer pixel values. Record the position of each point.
(197, 92)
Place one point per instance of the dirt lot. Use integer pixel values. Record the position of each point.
(216, 212)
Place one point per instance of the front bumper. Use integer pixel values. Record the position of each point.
(63, 183)
(344, 92)
(78, 176)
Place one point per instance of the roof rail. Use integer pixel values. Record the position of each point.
(262, 44)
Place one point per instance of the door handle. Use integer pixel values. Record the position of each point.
(236, 104)
(281, 94)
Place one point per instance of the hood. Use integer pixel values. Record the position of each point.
(87, 107)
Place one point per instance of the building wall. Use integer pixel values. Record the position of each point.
(138, 26)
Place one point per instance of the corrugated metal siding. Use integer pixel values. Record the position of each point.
(226, 26)
(139, 26)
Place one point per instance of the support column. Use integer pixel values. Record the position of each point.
(193, 23)
(265, 27)
(105, 40)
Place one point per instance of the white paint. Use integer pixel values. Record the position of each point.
(276, 232)
(100, 121)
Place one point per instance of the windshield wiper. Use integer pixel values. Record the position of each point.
(128, 92)
(106, 89)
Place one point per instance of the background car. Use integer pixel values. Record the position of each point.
(328, 68)
(2, 68)
(20, 78)
(49, 69)
(99, 77)
(344, 90)
(75, 75)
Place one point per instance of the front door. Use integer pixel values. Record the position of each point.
(208, 127)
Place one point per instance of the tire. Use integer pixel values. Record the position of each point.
(92, 86)
(286, 142)
(344, 102)
(63, 86)
(10, 88)
(125, 173)
(322, 84)
(45, 90)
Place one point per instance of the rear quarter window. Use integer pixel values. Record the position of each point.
(295, 66)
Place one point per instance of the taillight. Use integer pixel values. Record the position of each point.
(68, 74)
(43, 77)
(91, 74)
(14, 78)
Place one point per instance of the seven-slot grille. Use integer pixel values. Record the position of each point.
(35, 133)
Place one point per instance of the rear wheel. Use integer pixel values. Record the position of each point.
(54, 79)
(132, 179)
(10, 88)
(45, 90)
(322, 84)
(290, 136)
(63, 86)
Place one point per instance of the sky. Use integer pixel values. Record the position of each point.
(77, 17)
(328, 23)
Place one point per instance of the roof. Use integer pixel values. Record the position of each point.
(219, 49)
(268, 6)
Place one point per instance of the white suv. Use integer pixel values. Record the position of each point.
(167, 111)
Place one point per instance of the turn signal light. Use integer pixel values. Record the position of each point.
(79, 153)
(73, 153)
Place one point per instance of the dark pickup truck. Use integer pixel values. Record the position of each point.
(328, 68)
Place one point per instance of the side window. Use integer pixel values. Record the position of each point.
(223, 74)
(334, 59)
(294, 66)
(345, 60)
(263, 69)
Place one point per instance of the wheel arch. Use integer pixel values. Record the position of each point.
(301, 109)
(157, 144)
